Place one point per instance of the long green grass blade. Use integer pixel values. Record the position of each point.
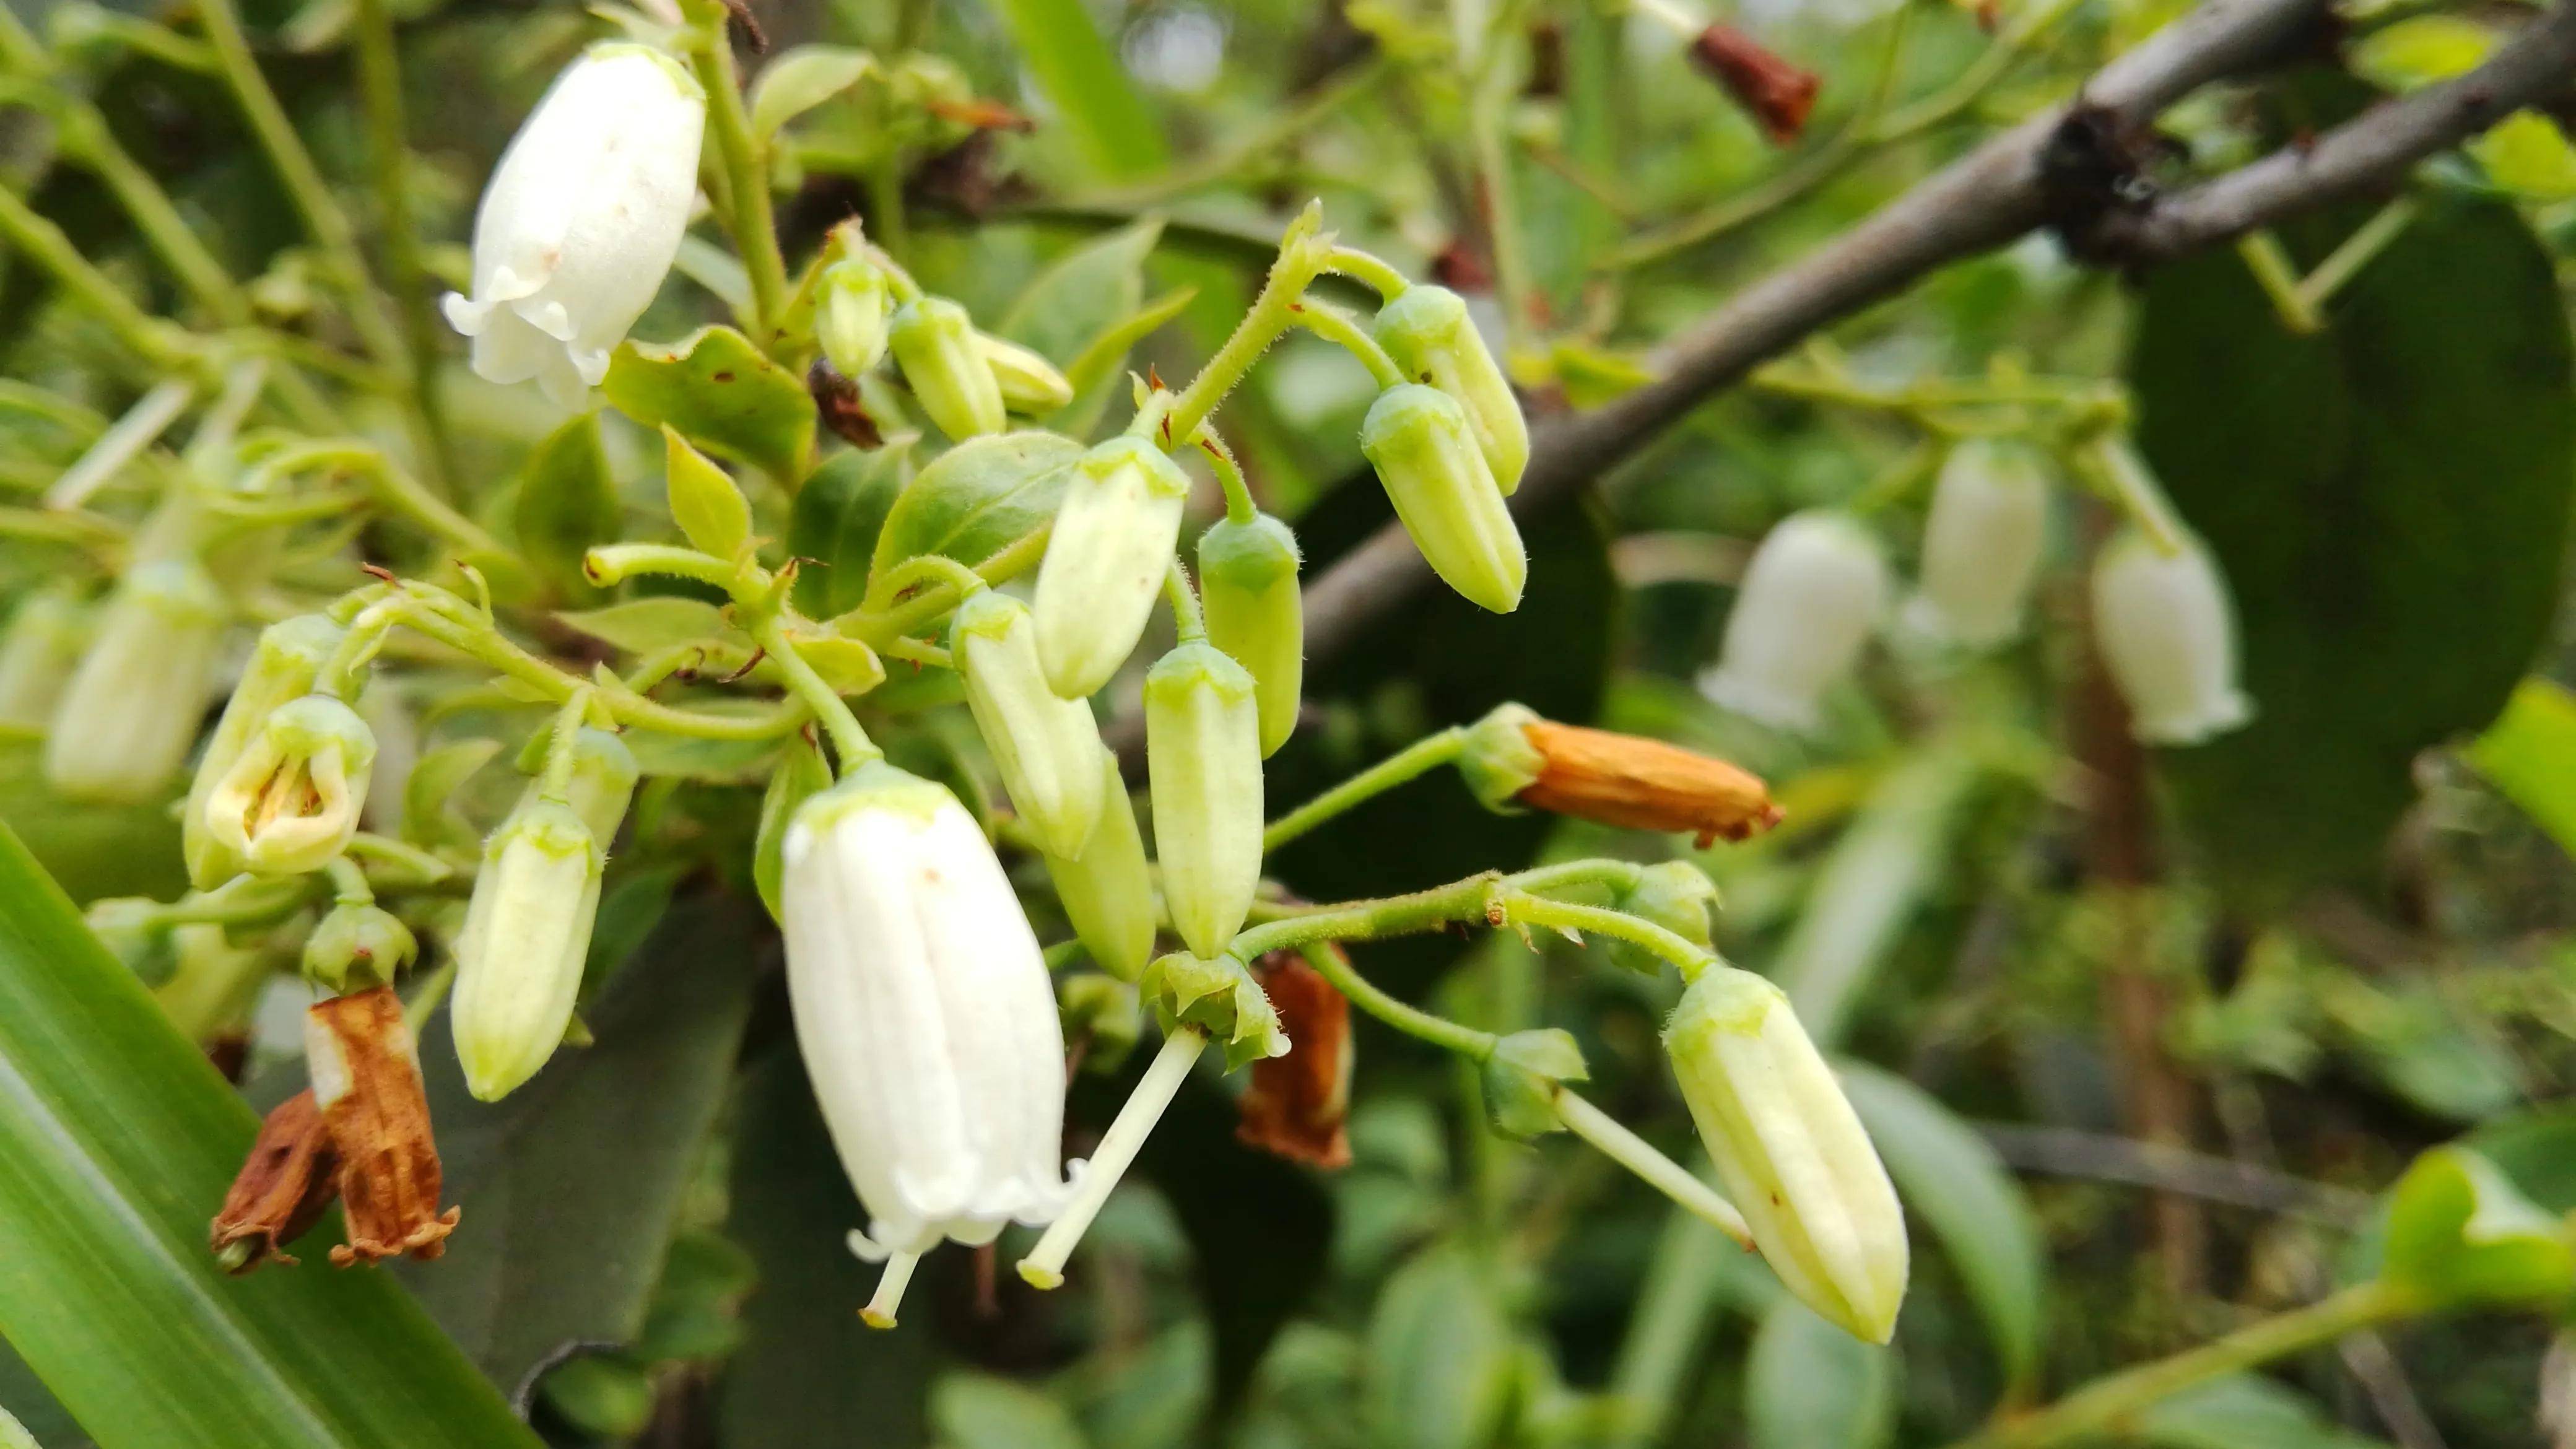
(1079, 71)
(116, 1143)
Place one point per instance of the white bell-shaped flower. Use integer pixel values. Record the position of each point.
(1981, 545)
(581, 219)
(2167, 632)
(1805, 608)
(926, 1018)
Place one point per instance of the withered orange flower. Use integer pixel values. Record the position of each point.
(1297, 1105)
(1643, 784)
(1777, 95)
(287, 1180)
(366, 1079)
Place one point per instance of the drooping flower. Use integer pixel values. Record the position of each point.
(134, 705)
(1424, 448)
(291, 800)
(1810, 597)
(581, 220)
(925, 1016)
(1106, 560)
(1790, 1150)
(2167, 632)
(1203, 752)
(527, 935)
(1981, 545)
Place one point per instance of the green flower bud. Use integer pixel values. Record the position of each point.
(1046, 746)
(602, 783)
(1790, 1150)
(850, 316)
(282, 668)
(1429, 334)
(1248, 586)
(1107, 891)
(1419, 440)
(358, 945)
(1112, 545)
(1102, 1012)
(290, 801)
(37, 655)
(1675, 895)
(133, 706)
(1203, 749)
(1029, 383)
(1216, 994)
(934, 343)
(527, 934)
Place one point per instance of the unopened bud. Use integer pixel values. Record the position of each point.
(1046, 746)
(1217, 995)
(356, 946)
(1791, 1151)
(1804, 611)
(2167, 633)
(1104, 1015)
(934, 343)
(1203, 750)
(1515, 758)
(601, 785)
(1981, 545)
(1429, 334)
(1030, 384)
(527, 935)
(1248, 586)
(1425, 452)
(851, 315)
(37, 655)
(133, 706)
(290, 802)
(282, 668)
(1106, 560)
(1777, 95)
(366, 1081)
(1107, 891)
(1298, 1105)
(285, 1185)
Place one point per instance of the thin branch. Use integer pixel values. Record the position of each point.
(2067, 1152)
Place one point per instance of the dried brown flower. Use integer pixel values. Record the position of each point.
(285, 1183)
(1777, 95)
(366, 1078)
(1643, 784)
(1297, 1104)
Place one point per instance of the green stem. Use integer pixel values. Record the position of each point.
(1476, 898)
(1413, 761)
(1239, 507)
(348, 883)
(1187, 620)
(1536, 910)
(2346, 261)
(849, 741)
(753, 224)
(614, 563)
(159, 343)
(2114, 468)
(2270, 263)
(1380, 274)
(380, 87)
(1488, 122)
(391, 485)
(1663, 1174)
(1412, 1020)
(1273, 312)
(1336, 326)
(2106, 1403)
(878, 630)
(563, 748)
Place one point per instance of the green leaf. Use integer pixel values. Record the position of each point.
(802, 79)
(93, 849)
(566, 503)
(117, 1141)
(977, 498)
(1439, 1368)
(1079, 72)
(800, 776)
(720, 393)
(833, 531)
(2460, 1232)
(808, 1371)
(1809, 1385)
(1096, 366)
(2530, 756)
(1083, 293)
(2526, 153)
(712, 513)
(2388, 500)
(2422, 50)
(1955, 1183)
(429, 795)
(574, 1182)
(650, 624)
(979, 1411)
(2243, 1411)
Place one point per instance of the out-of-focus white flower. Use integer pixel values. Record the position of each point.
(1981, 545)
(926, 1018)
(1792, 1153)
(581, 219)
(133, 706)
(1809, 599)
(2167, 633)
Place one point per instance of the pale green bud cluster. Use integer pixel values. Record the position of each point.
(282, 668)
(1425, 451)
(131, 711)
(527, 936)
(934, 342)
(968, 381)
(289, 802)
(1429, 334)
(1047, 747)
(1790, 1150)
(1248, 586)
(1203, 750)
(37, 655)
(851, 313)
(1114, 536)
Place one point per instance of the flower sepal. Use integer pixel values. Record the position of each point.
(1217, 995)
(1524, 1075)
(358, 945)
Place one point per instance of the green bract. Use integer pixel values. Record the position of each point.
(357, 945)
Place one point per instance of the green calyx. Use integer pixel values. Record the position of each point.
(358, 946)
(1217, 995)
(1522, 1079)
(1498, 761)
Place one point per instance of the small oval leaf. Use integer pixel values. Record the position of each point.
(721, 394)
(712, 513)
(802, 79)
(978, 498)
